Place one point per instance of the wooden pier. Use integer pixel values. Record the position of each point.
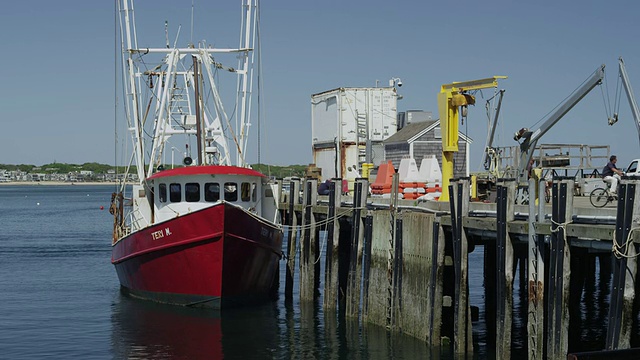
(403, 265)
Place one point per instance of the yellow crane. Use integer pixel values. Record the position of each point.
(452, 99)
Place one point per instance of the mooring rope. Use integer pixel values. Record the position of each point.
(324, 243)
(562, 226)
(616, 249)
(323, 223)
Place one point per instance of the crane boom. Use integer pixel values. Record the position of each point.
(627, 88)
(531, 137)
(451, 98)
(489, 151)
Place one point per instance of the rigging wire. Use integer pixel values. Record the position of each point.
(611, 112)
(259, 83)
(562, 101)
(115, 87)
(489, 108)
(126, 106)
(607, 103)
(618, 94)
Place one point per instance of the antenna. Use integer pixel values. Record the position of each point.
(166, 32)
(191, 40)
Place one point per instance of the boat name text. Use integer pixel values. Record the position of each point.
(160, 233)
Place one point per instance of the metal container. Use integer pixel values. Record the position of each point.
(348, 127)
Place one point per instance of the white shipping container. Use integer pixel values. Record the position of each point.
(335, 114)
(329, 163)
(343, 119)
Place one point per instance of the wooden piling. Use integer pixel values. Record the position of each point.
(416, 276)
(459, 204)
(391, 260)
(375, 311)
(294, 199)
(559, 269)
(535, 321)
(379, 307)
(361, 188)
(344, 258)
(331, 256)
(396, 280)
(308, 250)
(397, 256)
(435, 285)
(504, 265)
(621, 313)
(366, 261)
(490, 290)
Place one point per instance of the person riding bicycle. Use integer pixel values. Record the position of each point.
(611, 174)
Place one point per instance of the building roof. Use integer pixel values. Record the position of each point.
(347, 88)
(411, 132)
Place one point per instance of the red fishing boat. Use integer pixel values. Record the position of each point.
(205, 233)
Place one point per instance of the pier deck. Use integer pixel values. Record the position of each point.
(403, 264)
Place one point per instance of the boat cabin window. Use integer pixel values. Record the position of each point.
(162, 193)
(254, 190)
(246, 191)
(211, 192)
(175, 192)
(192, 192)
(230, 191)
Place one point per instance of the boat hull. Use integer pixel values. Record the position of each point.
(221, 256)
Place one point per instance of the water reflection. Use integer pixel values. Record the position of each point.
(295, 330)
(144, 330)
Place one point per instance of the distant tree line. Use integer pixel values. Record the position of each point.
(280, 171)
(63, 168)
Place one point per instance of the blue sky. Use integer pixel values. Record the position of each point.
(58, 66)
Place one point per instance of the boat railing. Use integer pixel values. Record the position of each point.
(136, 220)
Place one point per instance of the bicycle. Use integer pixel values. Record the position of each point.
(523, 196)
(600, 197)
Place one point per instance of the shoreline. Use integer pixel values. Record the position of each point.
(56, 183)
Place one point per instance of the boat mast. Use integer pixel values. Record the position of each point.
(162, 120)
(170, 85)
(133, 115)
(199, 125)
(247, 43)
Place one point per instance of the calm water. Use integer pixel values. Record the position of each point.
(60, 299)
